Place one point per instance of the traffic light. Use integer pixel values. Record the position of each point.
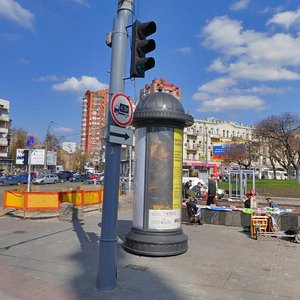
(140, 46)
(26, 157)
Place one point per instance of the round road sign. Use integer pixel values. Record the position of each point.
(30, 141)
(121, 109)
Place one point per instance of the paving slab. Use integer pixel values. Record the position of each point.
(51, 259)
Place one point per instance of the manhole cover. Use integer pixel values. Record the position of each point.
(20, 232)
(136, 267)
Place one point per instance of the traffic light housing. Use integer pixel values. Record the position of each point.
(140, 46)
(26, 158)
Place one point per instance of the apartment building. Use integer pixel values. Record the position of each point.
(161, 85)
(94, 114)
(205, 137)
(4, 133)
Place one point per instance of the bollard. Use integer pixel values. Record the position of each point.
(66, 212)
(159, 120)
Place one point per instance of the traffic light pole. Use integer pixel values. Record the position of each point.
(107, 263)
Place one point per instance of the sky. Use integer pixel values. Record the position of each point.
(235, 60)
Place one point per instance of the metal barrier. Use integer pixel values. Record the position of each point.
(29, 201)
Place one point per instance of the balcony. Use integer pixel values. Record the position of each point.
(4, 117)
(4, 130)
(3, 154)
(3, 142)
(192, 136)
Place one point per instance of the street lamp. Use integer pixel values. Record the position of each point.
(46, 144)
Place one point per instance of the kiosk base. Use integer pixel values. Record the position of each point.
(150, 243)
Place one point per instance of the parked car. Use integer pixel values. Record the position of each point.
(92, 182)
(44, 179)
(64, 175)
(14, 180)
(79, 178)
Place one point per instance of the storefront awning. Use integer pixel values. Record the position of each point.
(198, 164)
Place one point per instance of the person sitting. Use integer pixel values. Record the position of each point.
(194, 212)
(271, 203)
(251, 201)
(198, 190)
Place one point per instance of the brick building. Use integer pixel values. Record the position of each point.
(161, 85)
(94, 114)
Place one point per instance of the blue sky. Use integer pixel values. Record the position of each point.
(235, 60)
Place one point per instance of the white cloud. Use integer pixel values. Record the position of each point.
(184, 50)
(244, 58)
(286, 19)
(239, 5)
(63, 130)
(228, 37)
(82, 2)
(263, 90)
(280, 49)
(247, 54)
(230, 103)
(12, 10)
(80, 85)
(46, 78)
(260, 72)
(217, 86)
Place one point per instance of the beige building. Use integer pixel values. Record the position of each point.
(4, 131)
(205, 137)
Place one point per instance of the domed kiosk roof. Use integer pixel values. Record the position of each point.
(161, 108)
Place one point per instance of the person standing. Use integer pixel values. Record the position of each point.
(187, 189)
(212, 191)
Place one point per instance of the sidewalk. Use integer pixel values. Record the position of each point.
(50, 259)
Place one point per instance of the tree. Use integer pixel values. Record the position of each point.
(244, 154)
(282, 134)
(18, 140)
(79, 159)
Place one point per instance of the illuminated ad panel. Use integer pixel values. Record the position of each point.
(164, 178)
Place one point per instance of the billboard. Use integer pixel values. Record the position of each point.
(20, 155)
(37, 156)
(220, 147)
(51, 158)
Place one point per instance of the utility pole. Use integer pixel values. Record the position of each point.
(107, 263)
(46, 145)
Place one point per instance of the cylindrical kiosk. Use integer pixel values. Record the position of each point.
(159, 120)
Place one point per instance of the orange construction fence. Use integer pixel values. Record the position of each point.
(50, 200)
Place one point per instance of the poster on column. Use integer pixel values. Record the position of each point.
(164, 148)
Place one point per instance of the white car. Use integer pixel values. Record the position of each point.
(44, 179)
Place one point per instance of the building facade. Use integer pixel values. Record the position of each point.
(4, 133)
(161, 85)
(94, 115)
(205, 137)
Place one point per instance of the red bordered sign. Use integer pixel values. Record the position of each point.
(121, 109)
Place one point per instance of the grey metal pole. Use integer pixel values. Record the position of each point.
(130, 168)
(29, 170)
(46, 145)
(107, 263)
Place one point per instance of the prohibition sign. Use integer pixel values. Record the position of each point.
(121, 109)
